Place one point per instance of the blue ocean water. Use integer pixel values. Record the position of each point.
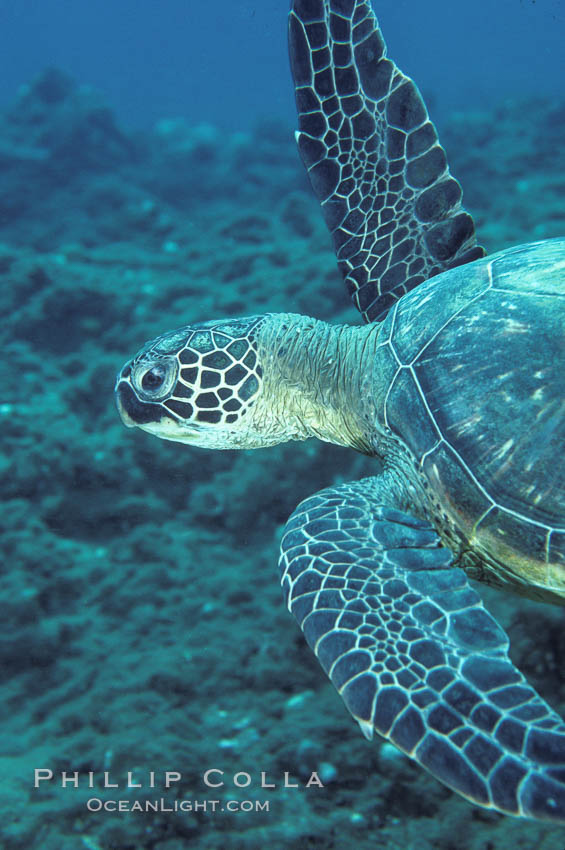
(143, 625)
(226, 62)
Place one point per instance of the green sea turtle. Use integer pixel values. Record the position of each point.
(456, 382)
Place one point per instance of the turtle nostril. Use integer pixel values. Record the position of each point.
(153, 379)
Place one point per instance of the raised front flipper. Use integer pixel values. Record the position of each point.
(373, 157)
(414, 654)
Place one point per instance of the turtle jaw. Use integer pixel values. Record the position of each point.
(153, 418)
(169, 429)
(148, 416)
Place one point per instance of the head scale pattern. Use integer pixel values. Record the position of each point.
(207, 373)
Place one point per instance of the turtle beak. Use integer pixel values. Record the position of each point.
(124, 415)
(148, 416)
(121, 395)
(134, 412)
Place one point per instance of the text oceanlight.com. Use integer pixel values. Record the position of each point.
(95, 804)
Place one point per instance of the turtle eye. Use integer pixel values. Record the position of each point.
(154, 378)
(154, 381)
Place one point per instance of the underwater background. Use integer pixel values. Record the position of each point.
(149, 178)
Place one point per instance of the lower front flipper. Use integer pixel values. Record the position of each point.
(410, 648)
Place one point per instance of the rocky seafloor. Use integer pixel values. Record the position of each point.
(142, 622)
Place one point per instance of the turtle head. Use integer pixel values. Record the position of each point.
(252, 382)
(196, 385)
